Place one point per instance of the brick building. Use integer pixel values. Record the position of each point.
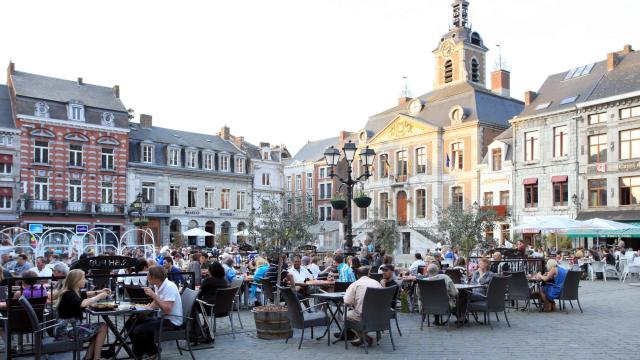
(9, 164)
(73, 151)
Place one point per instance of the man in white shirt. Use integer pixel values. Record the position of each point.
(413, 269)
(311, 266)
(299, 273)
(354, 296)
(41, 268)
(167, 299)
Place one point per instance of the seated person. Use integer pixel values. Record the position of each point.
(554, 279)
(433, 273)
(167, 299)
(345, 273)
(261, 269)
(172, 270)
(298, 272)
(210, 285)
(5, 275)
(29, 287)
(311, 265)
(413, 269)
(227, 263)
(60, 270)
(482, 276)
(354, 296)
(498, 266)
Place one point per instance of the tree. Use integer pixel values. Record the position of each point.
(385, 233)
(463, 228)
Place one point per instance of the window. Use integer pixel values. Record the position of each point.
(107, 158)
(241, 200)
(488, 199)
(106, 192)
(266, 179)
(597, 192)
(298, 183)
(224, 162)
(309, 203)
(457, 155)
(597, 118)
(475, 70)
(504, 228)
(401, 165)
(41, 188)
(174, 157)
(298, 204)
(5, 169)
(457, 199)
(288, 183)
(421, 203)
(629, 112)
(384, 205)
(597, 148)
(208, 161)
(75, 155)
(321, 172)
(324, 213)
(488, 233)
(448, 71)
(531, 195)
(364, 214)
(6, 140)
(384, 165)
(149, 192)
(531, 143)
(192, 197)
(174, 195)
(560, 144)
(287, 209)
(325, 191)
(309, 182)
(208, 198)
(406, 243)
(421, 161)
(504, 197)
(192, 159)
(75, 191)
(630, 144)
(560, 193)
(225, 199)
(147, 153)
(41, 152)
(629, 190)
(265, 155)
(76, 112)
(496, 159)
(5, 202)
(240, 165)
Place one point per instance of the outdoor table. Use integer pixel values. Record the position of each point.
(121, 335)
(318, 283)
(464, 296)
(336, 298)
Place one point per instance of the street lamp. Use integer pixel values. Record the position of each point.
(332, 156)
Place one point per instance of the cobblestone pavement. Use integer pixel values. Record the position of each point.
(606, 329)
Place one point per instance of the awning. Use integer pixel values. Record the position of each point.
(6, 159)
(530, 181)
(530, 231)
(559, 178)
(625, 215)
(6, 191)
(594, 233)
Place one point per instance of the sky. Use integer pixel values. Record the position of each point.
(290, 71)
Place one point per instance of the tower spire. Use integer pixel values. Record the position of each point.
(460, 13)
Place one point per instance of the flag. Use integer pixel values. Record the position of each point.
(447, 162)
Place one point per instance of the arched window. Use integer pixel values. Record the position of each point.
(448, 71)
(475, 70)
(475, 39)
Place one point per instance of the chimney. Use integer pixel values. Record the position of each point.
(529, 96)
(343, 135)
(501, 82)
(612, 61)
(79, 81)
(239, 140)
(146, 121)
(11, 68)
(403, 100)
(116, 91)
(225, 133)
(626, 50)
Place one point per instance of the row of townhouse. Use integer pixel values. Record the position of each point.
(71, 160)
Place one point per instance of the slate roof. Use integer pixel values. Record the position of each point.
(479, 104)
(314, 150)
(624, 78)
(168, 136)
(6, 118)
(505, 137)
(44, 87)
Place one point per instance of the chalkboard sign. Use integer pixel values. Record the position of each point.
(105, 263)
(307, 248)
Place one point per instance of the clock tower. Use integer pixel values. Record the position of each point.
(461, 54)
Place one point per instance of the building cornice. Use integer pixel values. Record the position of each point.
(608, 99)
(69, 123)
(516, 119)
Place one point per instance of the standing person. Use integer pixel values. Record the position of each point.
(167, 299)
(413, 269)
(194, 267)
(354, 296)
(172, 271)
(41, 269)
(71, 307)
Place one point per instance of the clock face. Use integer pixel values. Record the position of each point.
(447, 49)
(415, 107)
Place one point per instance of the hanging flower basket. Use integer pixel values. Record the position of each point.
(141, 222)
(338, 204)
(362, 201)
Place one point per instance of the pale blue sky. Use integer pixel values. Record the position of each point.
(288, 71)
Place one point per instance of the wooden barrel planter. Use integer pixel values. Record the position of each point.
(272, 322)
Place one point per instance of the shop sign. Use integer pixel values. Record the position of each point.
(105, 263)
(81, 229)
(227, 213)
(36, 228)
(192, 212)
(629, 166)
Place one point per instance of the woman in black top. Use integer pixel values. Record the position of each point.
(71, 308)
(216, 280)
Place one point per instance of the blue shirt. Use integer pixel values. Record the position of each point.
(160, 260)
(177, 278)
(20, 269)
(345, 274)
(229, 272)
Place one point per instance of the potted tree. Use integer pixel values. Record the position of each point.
(338, 202)
(362, 200)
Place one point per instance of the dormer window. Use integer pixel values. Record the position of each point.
(224, 162)
(192, 159)
(496, 159)
(265, 155)
(240, 165)
(75, 112)
(41, 109)
(207, 161)
(147, 153)
(174, 157)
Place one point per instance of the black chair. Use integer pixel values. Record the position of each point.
(341, 286)
(494, 301)
(375, 276)
(435, 300)
(48, 345)
(18, 319)
(223, 307)
(375, 316)
(455, 275)
(301, 318)
(570, 290)
(394, 312)
(268, 292)
(238, 284)
(188, 299)
(518, 289)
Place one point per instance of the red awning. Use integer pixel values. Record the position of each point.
(530, 231)
(530, 181)
(559, 178)
(6, 191)
(6, 159)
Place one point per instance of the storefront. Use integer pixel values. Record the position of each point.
(59, 234)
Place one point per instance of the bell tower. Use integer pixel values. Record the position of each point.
(461, 54)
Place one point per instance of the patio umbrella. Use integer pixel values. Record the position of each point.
(550, 223)
(598, 228)
(196, 232)
(598, 223)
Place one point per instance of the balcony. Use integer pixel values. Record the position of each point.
(114, 209)
(156, 210)
(500, 211)
(66, 207)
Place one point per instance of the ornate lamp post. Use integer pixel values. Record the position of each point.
(332, 156)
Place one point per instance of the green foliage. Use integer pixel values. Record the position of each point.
(385, 233)
(464, 228)
(280, 231)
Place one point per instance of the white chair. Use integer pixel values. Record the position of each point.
(632, 268)
(595, 268)
(622, 266)
(611, 268)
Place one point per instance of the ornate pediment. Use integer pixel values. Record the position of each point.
(401, 127)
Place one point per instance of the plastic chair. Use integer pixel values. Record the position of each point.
(188, 299)
(494, 302)
(570, 290)
(301, 318)
(595, 268)
(435, 300)
(632, 268)
(375, 316)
